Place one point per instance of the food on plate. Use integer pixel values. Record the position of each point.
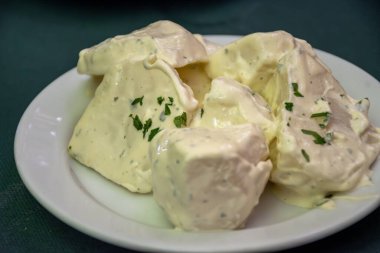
(209, 179)
(253, 60)
(229, 103)
(135, 101)
(324, 141)
(165, 39)
(202, 124)
(196, 77)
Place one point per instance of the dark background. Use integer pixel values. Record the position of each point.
(40, 40)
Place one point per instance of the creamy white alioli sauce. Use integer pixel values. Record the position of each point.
(229, 103)
(206, 116)
(324, 141)
(209, 179)
(165, 39)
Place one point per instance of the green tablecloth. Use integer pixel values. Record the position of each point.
(40, 40)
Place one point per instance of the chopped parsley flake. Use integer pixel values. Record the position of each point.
(317, 138)
(305, 155)
(167, 109)
(138, 101)
(295, 90)
(320, 114)
(137, 122)
(180, 120)
(202, 111)
(153, 133)
(147, 125)
(289, 106)
(160, 100)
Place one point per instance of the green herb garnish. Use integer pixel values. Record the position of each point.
(167, 109)
(136, 122)
(180, 120)
(160, 100)
(138, 101)
(153, 133)
(171, 100)
(295, 90)
(147, 125)
(289, 106)
(202, 111)
(305, 155)
(317, 138)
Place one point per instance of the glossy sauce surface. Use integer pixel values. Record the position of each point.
(264, 95)
(324, 141)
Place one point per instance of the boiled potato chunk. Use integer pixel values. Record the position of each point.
(133, 103)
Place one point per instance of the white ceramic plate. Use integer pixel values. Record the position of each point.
(86, 201)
